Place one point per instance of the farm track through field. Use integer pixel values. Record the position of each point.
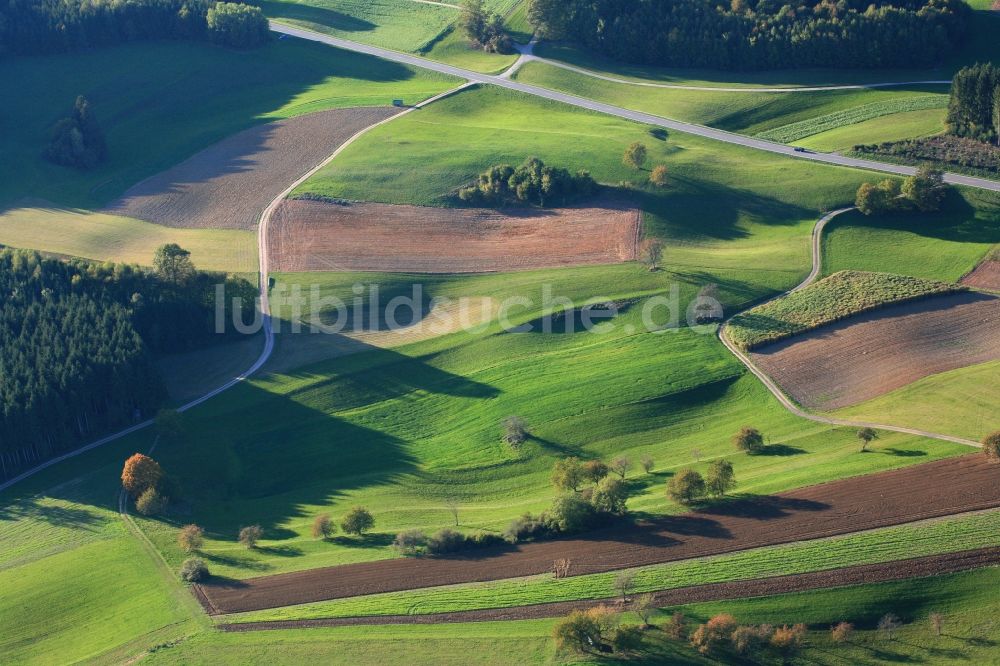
(863, 574)
(918, 492)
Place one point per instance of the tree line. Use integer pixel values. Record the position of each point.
(77, 346)
(55, 26)
(759, 34)
(974, 107)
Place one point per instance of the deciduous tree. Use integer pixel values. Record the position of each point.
(323, 527)
(140, 473)
(190, 538)
(749, 440)
(249, 536)
(635, 155)
(357, 521)
(567, 473)
(865, 436)
(721, 478)
(686, 486)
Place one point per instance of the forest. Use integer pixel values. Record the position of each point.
(78, 342)
(32, 27)
(974, 107)
(759, 34)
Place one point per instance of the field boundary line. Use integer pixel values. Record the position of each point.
(785, 400)
(265, 307)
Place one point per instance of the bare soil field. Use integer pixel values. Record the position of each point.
(862, 357)
(321, 236)
(863, 574)
(940, 488)
(985, 276)
(227, 185)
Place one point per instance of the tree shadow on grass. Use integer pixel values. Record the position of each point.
(317, 15)
(904, 453)
(780, 450)
(372, 540)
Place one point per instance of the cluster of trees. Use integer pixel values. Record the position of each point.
(759, 34)
(77, 340)
(483, 28)
(77, 140)
(969, 154)
(925, 191)
(533, 182)
(144, 480)
(53, 26)
(974, 107)
(688, 486)
(635, 157)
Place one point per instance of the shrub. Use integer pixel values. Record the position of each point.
(140, 473)
(748, 640)
(194, 570)
(878, 198)
(323, 527)
(409, 542)
(658, 176)
(712, 635)
(151, 502)
(635, 155)
(686, 486)
(676, 626)
(991, 445)
(937, 623)
(357, 521)
(610, 496)
(749, 440)
(569, 513)
(249, 536)
(721, 478)
(627, 639)
(789, 640)
(527, 528)
(445, 541)
(190, 538)
(237, 25)
(888, 625)
(841, 632)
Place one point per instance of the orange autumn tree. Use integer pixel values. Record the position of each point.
(140, 473)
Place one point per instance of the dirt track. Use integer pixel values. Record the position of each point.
(865, 356)
(914, 493)
(986, 275)
(320, 236)
(227, 185)
(756, 587)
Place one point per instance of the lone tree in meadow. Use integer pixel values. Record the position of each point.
(991, 445)
(323, 527)
(651, 253)
(77, 140)
(140, 474)
(621, 465)
(888, 625)
(249, 536)
(568, 473)
(721, 478)
(841, 632)
(647, 464)
(658, 176)
(190, 538)
(686, 486)
(866, 436)
(635, 155)
(357, 521)
(515, 431)
(173, 263)
(749, 440)
(937, 623)
(194, 570)
(624, 585)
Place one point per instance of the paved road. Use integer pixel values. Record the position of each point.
(636, 116)
(772, 386)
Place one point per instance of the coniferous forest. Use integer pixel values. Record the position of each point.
(77, 345)
(759, 34)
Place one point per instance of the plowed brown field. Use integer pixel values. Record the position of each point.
(863, 574)
(914, 493)
(865, 356)
(227, 185)
(986, 276)
(321, 236)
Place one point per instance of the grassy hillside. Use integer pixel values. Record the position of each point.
(956, 401)
(744, 112)
(941, 246)
(895, 127)
(158, 114)
(81, 233)
(831, 299)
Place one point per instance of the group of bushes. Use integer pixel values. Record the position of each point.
(484, 29)
(77, 140)
(953, 151)
(444, 542)
(925, 191)
(52, 26)
(533, 183)
(759, 34)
